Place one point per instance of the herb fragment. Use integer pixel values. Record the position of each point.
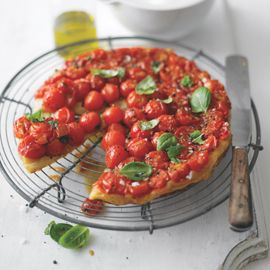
(156, 65)
(146, 125)
(109, 73)
(36, 116)
(200, 100)
(196, 137)
(186, 81)
(167, 100)
(53, 123)
(136, 170)
(146, 87)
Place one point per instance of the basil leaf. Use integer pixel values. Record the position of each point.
(53, 123)
(75, 237)
(146, 87)
(200, 100)
(109, 73)
(48, 228)
(166, 140)
(186, 81)
(36, 116)
(167, 100)
(173, 151)
(58, 230)
(146, 125)
(156, 65)
(196, 137)
(136, 170)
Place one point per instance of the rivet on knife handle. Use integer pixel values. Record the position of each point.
(240, 210)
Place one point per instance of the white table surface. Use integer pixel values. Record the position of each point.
(25, 32)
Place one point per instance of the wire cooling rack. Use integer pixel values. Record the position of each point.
(60, 190)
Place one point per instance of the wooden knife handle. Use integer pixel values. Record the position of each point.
(240, 210)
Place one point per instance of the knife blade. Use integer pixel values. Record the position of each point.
(237, 83)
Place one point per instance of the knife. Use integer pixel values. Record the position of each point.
(237, 82)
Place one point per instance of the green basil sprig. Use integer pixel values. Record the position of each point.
(109, 73)
(156, 65)
(167, 100)
(136, 170)
(200, 100)
(146, 87)
(37, 116)
(186, 81)
(196, 137)
(68, 236)
(146, 125)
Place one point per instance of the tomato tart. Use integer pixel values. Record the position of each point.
(165, 124)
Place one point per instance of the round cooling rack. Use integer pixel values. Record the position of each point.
(63, 196)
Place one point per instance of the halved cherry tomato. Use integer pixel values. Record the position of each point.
(159, 179)
(155, 108)
(157, 159)
(178, 171)
(210, 143)
(53, 100)
(83, 87)
(127, 160)
(89, 121)
(139, 147)
(111, 183)
(117, 127)
(94, 101)
(135, 100)
(136, 73)
(132, 115)
(55, 148)
(184, 117)
(139, 190)
(76, 134)
(198, 160)
(92, 207)
(75, 73)
(61, 130)
(114, 155)
(30, 149)
(113, 115)
(111, 138)
(167, 123)
(136, 132)
(96, 82)
(42, 132)
(64, 115)
(21, 127)
(127, 87)
(110, 92)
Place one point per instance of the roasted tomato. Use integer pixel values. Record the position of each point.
(127, 87)
(159, 179)
(139, 147)
(198, 160)
(53, 100)
(210, 143)
(155, 108)
(178, 172)
(117, 127)
(55, 148)
(75, 73)
(167, 123)
(21, 127)
(83, 87)
(185, 117)
(94, 101)
(111, 138)
(110, 93)
(136, 74)
(91, 207)
(64, 115)
(112, 183)
(128, 160)
(157, 159)
(96, 82)
(30, 149)
(135, 100)
(42, 132)
(89, 121)
(114, 155)
(61, 130)
(136, 132)
(139, 189)
(76, 134)
(132, 115)
(113, 115)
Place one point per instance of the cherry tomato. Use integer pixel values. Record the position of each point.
(42, 132)
(96, 82)
(91, 207)
(111, 138)
(224, 131)
(178, 171)
(83, 87)
(64, 115)
(127, 160)
(21, 127)
(117, 127)
(167, 123)
(185, 117)
(210, 143)
(157, 159)
(61, 130)
(75, 73)
(136, 132)
(198, 160)
(41, 91)
(139, 190)
(159, 179)
(114, 155)
(113, 115)
(89, 121)
(68, 88)
(111, 183)
(30, 149)
(127, 87)
(136, 73)
(94, 101)
(155, 108)
(53, 100)
(76, 134)
(58, 75)
(110, 92)
(132, 115)
(135, 100)
(139, 147)
(55, 148)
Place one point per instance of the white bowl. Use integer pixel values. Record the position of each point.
(169, 19)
